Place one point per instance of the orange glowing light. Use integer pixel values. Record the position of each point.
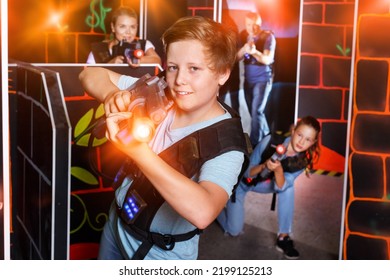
(56, 19)
(143, 130)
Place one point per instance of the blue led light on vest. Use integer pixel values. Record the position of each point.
(132, 207)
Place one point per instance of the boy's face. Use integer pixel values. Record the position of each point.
(194, 86)
(125, 27)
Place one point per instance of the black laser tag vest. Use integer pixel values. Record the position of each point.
(186, 156)
(289, 164)
(259, 45)
(102, 54)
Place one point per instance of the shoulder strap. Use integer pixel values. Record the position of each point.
(143, 44)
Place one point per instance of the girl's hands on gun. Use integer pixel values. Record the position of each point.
(117, 59)
(131, 64)
(273, 165)
(120, 59)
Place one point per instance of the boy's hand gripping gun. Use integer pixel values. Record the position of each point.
(148, 105)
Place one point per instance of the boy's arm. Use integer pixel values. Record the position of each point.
(101, 84)
(267, 56)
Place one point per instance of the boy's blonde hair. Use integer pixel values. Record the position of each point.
(219, 42)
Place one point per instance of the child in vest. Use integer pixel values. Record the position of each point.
(124, 27)
(200, 54)
(302, 149)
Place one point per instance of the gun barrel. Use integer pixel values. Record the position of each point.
(277, 155)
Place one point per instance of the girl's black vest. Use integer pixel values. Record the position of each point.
(289, 164)
(102, 54)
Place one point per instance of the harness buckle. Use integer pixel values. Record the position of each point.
(169, 241)
(164, 241)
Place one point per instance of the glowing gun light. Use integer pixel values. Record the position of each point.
(149, 108)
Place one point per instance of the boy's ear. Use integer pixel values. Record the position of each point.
(223, 77)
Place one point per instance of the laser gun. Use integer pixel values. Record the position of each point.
(132, 51)
(278, 155)
(149, 106)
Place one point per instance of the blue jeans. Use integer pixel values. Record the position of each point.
(232, 217)
(256, 97)
(109, 248)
